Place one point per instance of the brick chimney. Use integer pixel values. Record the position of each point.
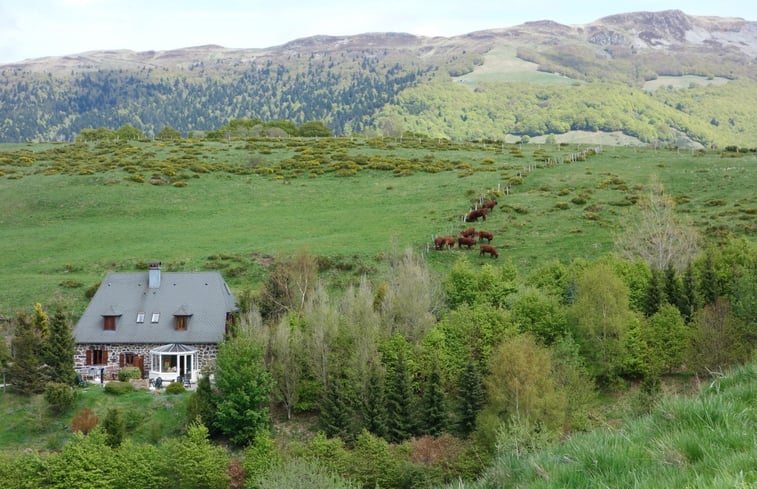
(154, 275)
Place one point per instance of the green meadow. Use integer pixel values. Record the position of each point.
(73, 212)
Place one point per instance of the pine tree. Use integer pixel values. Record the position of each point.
(59, 350)
(655, 294)
(708, 288)
(399, 402)
(689, 293)
(114, 425)
(26, 371)
(433, 410)
(335, 413)
(672, 287)
(472, 398)
(374, 404)
(202, 404)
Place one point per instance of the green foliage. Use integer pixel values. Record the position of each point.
(59, 349)
(118, 388)
(26, 373)
(114, 425)
(202, 404)
(295, 471)
(175, 388)
(60, 397)
(198, 463)
(433, 410)
(400, 401)
(244, 387)
(127, 373)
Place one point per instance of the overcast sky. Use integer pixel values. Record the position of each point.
(37, 28)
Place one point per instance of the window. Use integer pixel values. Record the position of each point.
(109, 323)
(155, 317)
(97, 357)
(181, 323)
(140, 317)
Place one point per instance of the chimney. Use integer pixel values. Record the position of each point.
(154, 275)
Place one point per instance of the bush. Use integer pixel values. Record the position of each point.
(127, 373)
(175, 388)
(84, 421)
(60, 397)
(117, 388)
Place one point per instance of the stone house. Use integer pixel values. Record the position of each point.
(168, 324)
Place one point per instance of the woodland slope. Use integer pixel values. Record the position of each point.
(654, 77)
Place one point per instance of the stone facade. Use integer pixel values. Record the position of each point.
(206, 354)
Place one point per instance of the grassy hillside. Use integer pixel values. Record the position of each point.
(703, 441)
(72, 212)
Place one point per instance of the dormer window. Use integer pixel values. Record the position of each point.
(181, 322)
(109, 323)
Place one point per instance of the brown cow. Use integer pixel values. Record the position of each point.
(489, 249)
(463, 241)
(475, 214)
(489, 204)
(468, 233)
(442, 242)
(485, 235)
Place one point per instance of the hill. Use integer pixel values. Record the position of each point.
(535, 79)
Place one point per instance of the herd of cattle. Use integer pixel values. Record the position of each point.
(470, 237)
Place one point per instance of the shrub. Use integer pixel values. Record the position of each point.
(175, 388)
(127, 373)
(60, 397)
(117, 388)
(84, 421)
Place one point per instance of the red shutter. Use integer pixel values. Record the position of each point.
(121, 360)
(140, 362)
(88, 361)
(105, 357)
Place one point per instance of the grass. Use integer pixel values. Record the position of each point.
(149, 416)
(706, 440)
(71, 213)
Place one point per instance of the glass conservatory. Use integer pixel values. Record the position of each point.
(174, 362)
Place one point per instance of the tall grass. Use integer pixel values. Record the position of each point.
(705, 441)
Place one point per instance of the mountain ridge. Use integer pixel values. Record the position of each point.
(355, 82)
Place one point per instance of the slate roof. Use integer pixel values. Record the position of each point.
(202, 296)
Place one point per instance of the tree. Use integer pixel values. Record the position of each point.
(718, 341)
(59, 350)
(199, 463)
(127, 132)
(655, 294)
(26, 371)
(667, 339)
(114, 425)
(202, 404)
(284, 359)
(471, 398)
(312, 129)
(433, 409)
(374, 403)
(399, 401)
(601, 316)
(656, 235)
(289, 285)
(168, 134)
(244, 387)
(335, 413)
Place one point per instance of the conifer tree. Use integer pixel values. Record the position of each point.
(399, 402)
(708, 281)
(202, 405)
(26, 371)
(472, 399)
(114, 425)
(433, 408)
(655, 294)
(689, 293)
(374, 404)
(335, 413)
(673, 291)
(59, 350)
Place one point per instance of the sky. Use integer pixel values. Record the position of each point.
(39, 28)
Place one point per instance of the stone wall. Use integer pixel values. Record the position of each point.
(206, 353)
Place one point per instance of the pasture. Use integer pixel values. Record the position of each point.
(72, 212)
